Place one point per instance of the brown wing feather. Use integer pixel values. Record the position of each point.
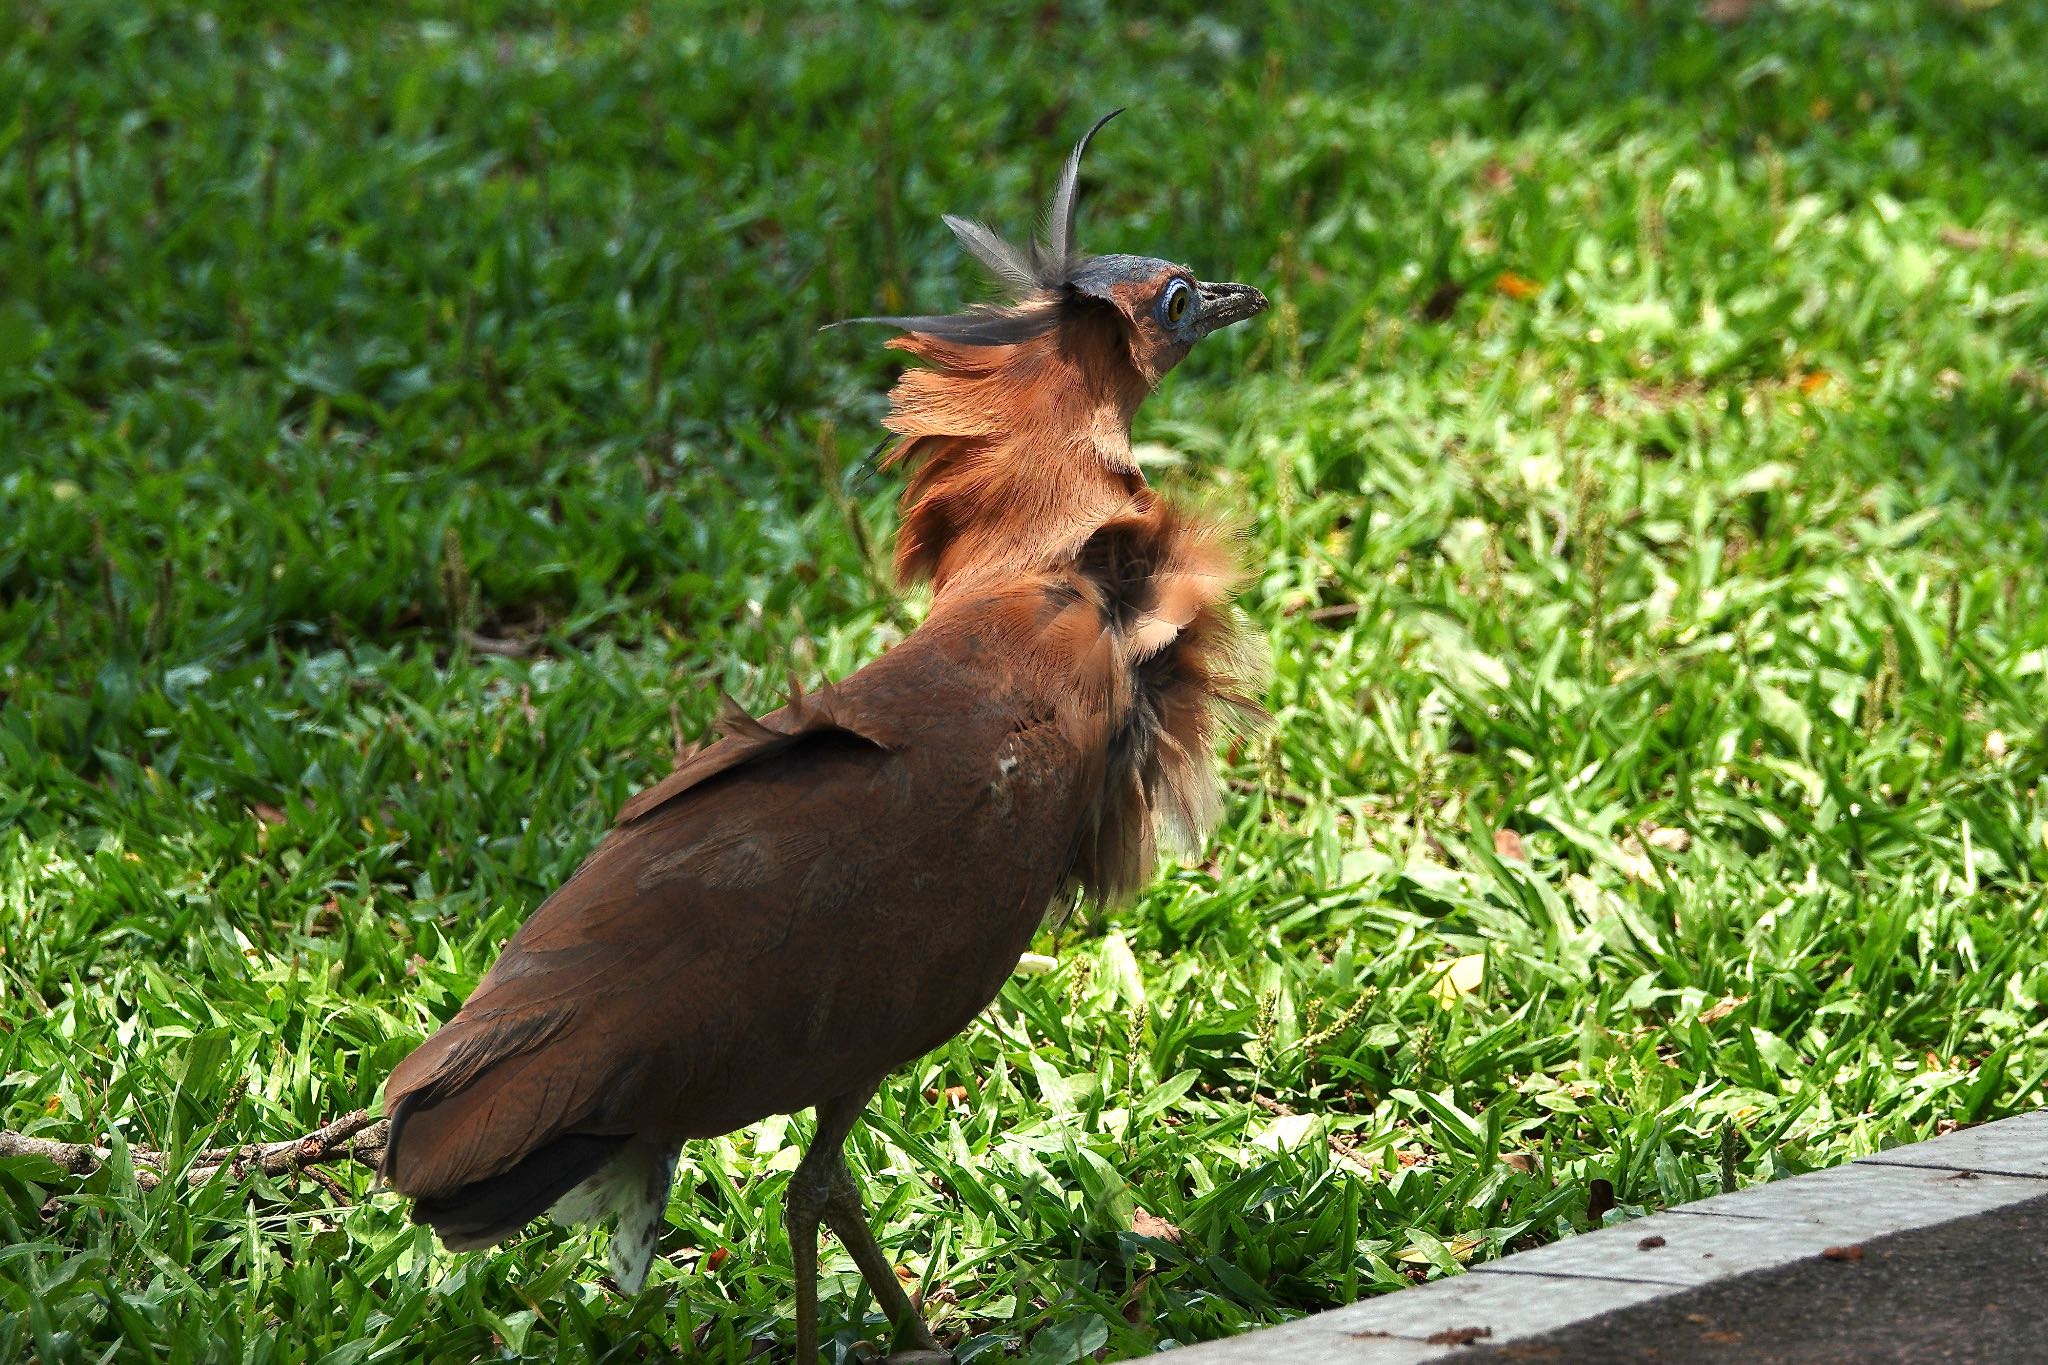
(748, 740)
(827, 909)
(830, 892)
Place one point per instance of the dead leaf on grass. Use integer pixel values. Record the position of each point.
(1461, 976)
(1516, 286)
(1150, 1225)
(1722, 1008)
(1668, 838)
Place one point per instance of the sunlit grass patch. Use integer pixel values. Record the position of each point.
(412, 425)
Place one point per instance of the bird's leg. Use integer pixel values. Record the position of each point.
(822, 1186)
(846, 1218)
(810, 1187)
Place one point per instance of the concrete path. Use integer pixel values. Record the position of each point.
(1841, 1265)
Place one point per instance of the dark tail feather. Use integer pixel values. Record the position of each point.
(488, 1211)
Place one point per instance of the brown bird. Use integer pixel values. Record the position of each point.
(832, 890)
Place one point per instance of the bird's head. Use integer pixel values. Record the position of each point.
(1158, 307)
(1162, 308)
(1017, 427)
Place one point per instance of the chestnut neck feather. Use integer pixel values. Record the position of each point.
(1019, 451)
(1027, 511)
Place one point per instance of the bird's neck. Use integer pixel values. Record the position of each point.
(1019, 452)
(1029, 515)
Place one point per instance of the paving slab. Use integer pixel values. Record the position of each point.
(1858, 1200)
(1415, 1325)
(1970, 1290)
(1310, 1341)
(2017, 1146)
(1489, 1305)
(1958, 1190)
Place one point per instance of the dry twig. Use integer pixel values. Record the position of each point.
(354, 1136)
(503, 649)
(1963, 239)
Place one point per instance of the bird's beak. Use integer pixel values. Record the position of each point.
(1219, 305)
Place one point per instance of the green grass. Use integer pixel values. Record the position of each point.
(1644, 464)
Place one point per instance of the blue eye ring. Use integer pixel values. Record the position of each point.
(1175, 301)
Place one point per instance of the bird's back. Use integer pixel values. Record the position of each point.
(810, 902)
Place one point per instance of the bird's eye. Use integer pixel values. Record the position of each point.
(1173, 304)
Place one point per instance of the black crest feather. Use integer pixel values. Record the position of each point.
(1058, 252)
(1040, 275)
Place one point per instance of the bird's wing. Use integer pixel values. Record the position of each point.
(748, 741)
(528, 1055)
(760, 927)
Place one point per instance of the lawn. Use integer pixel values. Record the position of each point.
(412, 417)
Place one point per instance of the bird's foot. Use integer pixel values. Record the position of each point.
(918, 1353)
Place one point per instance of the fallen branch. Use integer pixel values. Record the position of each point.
(2012, 244)
(354, 1136)
(503, 649)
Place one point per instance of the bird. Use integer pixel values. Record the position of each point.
(831, 890)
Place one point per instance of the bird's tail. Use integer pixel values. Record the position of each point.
(634, 1184)
(479, 1213)
(574, 1178)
